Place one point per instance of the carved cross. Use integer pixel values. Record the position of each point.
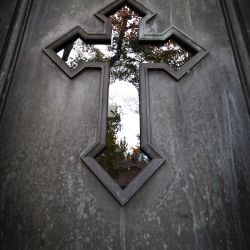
(118, 153)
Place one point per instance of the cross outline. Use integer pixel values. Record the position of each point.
(88, 155)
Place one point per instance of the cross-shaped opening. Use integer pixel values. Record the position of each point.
(123, 158)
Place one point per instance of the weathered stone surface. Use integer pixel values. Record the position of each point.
(245, 12)
(198, 200)
(7, 9)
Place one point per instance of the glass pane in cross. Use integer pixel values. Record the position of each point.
(123, 158)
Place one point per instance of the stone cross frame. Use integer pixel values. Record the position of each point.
(88, 155)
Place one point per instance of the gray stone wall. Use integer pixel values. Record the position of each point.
(7, 10)
(245, 12)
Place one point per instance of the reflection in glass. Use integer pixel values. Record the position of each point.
(122, 157)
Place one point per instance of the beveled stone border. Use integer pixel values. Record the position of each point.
(88, 156)
(13, 42)
(74, 33)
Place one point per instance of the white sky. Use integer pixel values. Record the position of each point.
(125, 94)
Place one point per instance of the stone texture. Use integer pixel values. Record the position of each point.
(198, 200)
